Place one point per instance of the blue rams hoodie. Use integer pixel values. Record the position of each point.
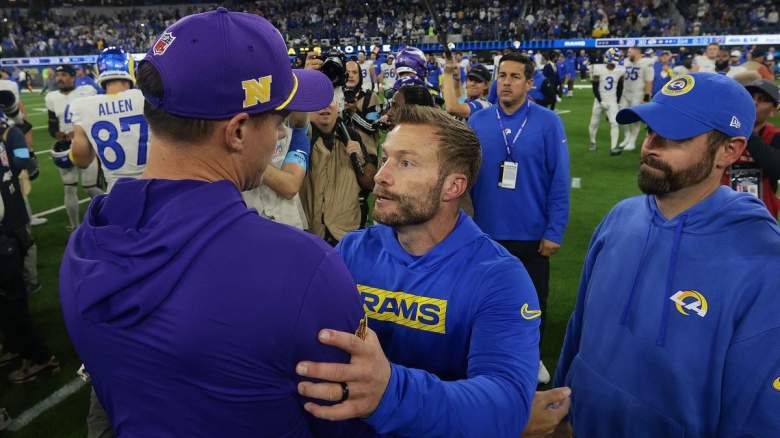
(676, 330)
(460, 325)
(190, 312)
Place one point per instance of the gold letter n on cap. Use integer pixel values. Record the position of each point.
(256, 91)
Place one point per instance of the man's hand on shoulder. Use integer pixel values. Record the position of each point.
(363, 380)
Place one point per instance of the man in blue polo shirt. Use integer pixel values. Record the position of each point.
(188, 310)
(454, 312)
(521, 196)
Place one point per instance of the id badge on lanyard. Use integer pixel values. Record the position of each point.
(507, 175)
(746, 179)
(507, 172)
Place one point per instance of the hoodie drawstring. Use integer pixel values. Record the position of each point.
(661, 339)
(627, 308)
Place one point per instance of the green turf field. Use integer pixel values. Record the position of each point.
(605, 180)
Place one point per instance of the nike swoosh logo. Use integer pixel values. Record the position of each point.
(529, 314)
(776, 384)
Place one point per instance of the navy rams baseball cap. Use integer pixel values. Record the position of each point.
(217, 64)
(695, 103)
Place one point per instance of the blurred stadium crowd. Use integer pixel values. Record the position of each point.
(303, 21)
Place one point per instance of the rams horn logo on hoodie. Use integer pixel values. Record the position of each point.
(690, 300)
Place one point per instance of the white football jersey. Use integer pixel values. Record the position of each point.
(365, 70)
(705, 64)
(117, 130)
(637, 75)
(608, 81)
(268, 203)
(59, 103)
(388, 71)
(679, 70)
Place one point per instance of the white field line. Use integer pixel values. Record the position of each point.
(56, 209)
(59, 395)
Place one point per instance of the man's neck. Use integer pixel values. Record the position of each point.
(170, 160)
(418, 240)
(326, 130)
(758, 127)
(510, 109)
(672, 204)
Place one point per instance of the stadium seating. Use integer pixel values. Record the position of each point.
(303, 22)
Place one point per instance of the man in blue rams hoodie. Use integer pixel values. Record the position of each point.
(455, 313)
(676, 330)
(189, 310)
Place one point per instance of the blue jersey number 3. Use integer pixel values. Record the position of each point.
(111, 142)
(610, 83)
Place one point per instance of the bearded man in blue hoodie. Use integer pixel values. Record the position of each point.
(676, 330)
(189, 310)
(455, 313)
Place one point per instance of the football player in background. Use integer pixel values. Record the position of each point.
(61, 128)
(638, 86)
(607, 88)
(112, 126)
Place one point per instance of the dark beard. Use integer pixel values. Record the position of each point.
(671, 181)
(413, 211)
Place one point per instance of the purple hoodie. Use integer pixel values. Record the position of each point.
(190, 312)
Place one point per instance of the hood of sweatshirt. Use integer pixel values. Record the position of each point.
(143, 228)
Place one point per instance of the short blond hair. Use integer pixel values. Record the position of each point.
(459, 149)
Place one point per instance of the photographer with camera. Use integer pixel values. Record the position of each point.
(340, 177)
(341, 170)
(361, 107)
(21, 340)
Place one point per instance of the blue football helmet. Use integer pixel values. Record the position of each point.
(613, 55)
(114, 63)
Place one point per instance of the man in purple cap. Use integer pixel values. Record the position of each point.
(189, 310)
(675, 331)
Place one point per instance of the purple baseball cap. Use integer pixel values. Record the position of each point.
(217, 64)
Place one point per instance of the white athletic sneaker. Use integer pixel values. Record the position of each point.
(34, 221)
(629, 148)
(544, 375)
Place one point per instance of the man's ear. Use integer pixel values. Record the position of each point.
(731, 152)
(234, 132)
(455, 185)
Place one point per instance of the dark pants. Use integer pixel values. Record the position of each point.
(538, 267)
(15, 322)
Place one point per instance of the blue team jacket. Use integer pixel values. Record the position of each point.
(676, 330)
(459, 324)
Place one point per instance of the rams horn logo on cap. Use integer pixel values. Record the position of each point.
(679, 85)
(690, 300)
(162, 44)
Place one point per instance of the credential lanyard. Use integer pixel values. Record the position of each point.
(510, 146)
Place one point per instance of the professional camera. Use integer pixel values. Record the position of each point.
(333, 67)
(8, 103)
(350, 95)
